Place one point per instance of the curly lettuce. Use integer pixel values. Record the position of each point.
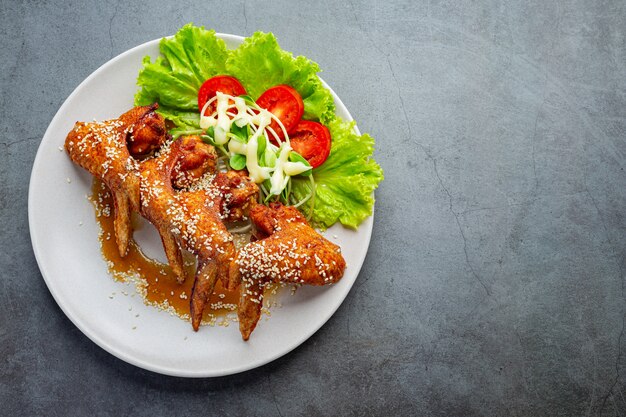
(187, 59)
(259, 63)
(345, 182)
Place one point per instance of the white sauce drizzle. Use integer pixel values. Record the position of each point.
(257, 173)
(259, 120)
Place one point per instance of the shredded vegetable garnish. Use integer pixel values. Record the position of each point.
(239, 129)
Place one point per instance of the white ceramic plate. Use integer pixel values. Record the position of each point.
(64, 234)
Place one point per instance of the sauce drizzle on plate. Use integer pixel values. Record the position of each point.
(154, 280)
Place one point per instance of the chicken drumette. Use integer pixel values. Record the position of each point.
(287, 249)
(107, 149)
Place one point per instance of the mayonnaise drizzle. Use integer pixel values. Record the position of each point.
(257, 173)
(279, 180)
(242, 118)
(259, 120)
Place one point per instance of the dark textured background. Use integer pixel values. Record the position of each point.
(494, 283)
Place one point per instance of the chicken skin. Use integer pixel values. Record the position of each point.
(196, 160)
(146, 132)
(107, 149)
(236, 195)
(192, 216)
(287, 250)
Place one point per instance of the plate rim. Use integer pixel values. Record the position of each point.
(96, 338)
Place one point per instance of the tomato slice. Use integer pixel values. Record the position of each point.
(312, 141)
(286, 104)
(222, 83)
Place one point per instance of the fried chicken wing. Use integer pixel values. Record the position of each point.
(287, 250)
(146, 131)
(158, 196)
(195, 162)
(236, 194)
(232, 192)
(105, 150)
(191, 217)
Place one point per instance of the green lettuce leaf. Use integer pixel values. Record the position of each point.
(181, 118)
(188, 59)
(195, 54)
(346, 181)
(259, 63)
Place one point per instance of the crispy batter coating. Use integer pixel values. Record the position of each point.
(190, 217)
(195, 161)
(237, 194)
(102, 149)
(287, 250)
(147, 130)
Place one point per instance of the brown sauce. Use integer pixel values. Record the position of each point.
(155, 280)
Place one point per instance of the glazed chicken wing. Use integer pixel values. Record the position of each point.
(287, 250)
(192, 217)
(236, 193)
(146, 130)
(106, 150)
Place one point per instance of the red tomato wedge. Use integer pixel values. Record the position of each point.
(312, 141)
(286, 104)
(222, 83)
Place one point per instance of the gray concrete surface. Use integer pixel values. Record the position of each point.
(494, 282)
